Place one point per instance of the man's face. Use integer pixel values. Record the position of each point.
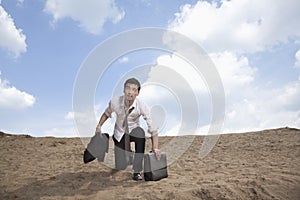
(131, 91)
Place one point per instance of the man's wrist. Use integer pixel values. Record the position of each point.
(98, 128)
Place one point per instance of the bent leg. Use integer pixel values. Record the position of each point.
(137, 135)
(120, 158)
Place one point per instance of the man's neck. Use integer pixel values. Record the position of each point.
(128, 103)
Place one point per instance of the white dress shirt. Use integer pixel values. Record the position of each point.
(117, 105)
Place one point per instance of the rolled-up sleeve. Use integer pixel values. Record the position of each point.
(109, 110)
(145, 111)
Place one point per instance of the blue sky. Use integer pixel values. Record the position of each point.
(255, 45)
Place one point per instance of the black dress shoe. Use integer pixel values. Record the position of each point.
(137, 177)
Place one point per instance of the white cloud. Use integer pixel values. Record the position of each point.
(69, 116)
(297, 56)
(90, 14)
(20, 2)
(239, 25)
(185, 70)
(288, 97)
(11, 38)
(165, 106)
(263, 108)
(86, 122)
(173, 131)
(248, 107)
(235, 73)
(12, 98)
(230, 29)
(179, 89)
(124, 59)
(234, 70)
(84, 125)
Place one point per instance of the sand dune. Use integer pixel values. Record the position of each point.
(258, 165)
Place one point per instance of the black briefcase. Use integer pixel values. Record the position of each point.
(96, 148)
(154, 169)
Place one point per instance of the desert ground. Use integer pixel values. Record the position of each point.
(254, 165)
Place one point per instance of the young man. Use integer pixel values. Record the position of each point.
(128, 109)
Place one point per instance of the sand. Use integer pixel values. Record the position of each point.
(258, 165)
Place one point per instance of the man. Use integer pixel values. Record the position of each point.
(128, 109)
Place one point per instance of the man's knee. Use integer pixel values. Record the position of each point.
(138, 132)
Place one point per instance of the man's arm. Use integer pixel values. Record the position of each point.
(154, 138)
(107, 113)
(153, 131)
(103, 118)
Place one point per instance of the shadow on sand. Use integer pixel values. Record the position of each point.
(72, 184)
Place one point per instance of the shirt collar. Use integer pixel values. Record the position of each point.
(133, 104)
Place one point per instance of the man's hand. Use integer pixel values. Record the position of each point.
(155, 144)
(157, 153)
(98, 130)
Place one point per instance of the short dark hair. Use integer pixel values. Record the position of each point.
(133, 81)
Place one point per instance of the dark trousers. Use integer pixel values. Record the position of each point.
(137, 135)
